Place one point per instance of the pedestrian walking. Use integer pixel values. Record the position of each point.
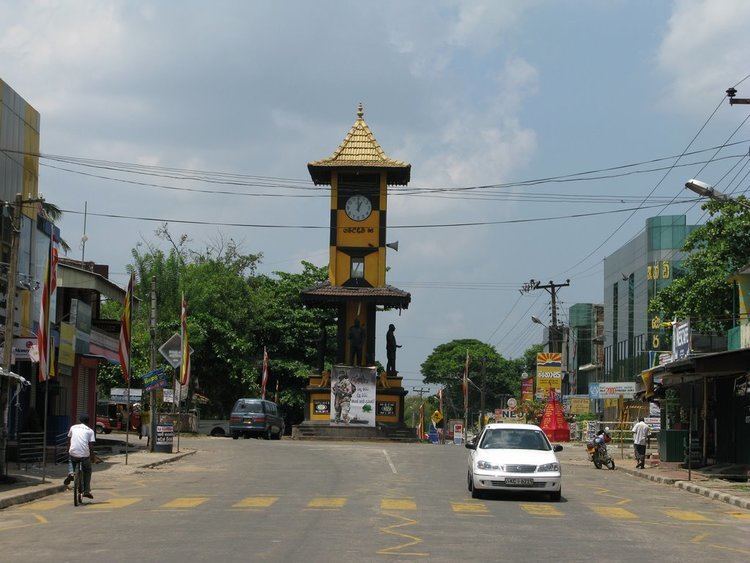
(640, 435)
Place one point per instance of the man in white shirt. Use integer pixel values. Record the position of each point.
(81, 450)
(640, 435)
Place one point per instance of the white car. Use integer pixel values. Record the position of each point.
(514, 457)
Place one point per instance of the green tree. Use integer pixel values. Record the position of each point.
(445, 366)
(701, 289)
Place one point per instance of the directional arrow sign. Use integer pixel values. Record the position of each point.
(172, 350)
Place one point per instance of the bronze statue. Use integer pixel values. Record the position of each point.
(390, 350)
(356, 342)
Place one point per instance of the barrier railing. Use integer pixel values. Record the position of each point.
(61, 448)
(30, 448)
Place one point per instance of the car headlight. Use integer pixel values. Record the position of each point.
(481, 464)
(548, 467)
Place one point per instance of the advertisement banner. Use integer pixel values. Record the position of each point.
(527, 389)
(612, 390)
(680, 340)
(548, 373)
(155, 379)
(119, 395)
(353, 396)
(67, 353)
(579, 404)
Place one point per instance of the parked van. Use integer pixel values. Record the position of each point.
(256, 417)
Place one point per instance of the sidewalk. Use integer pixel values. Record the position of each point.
(26, 486)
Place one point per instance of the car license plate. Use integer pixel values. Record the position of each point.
(517, 482)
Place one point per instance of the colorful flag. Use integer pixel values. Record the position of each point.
(185, 361)
(264, 381)
(43, 332)
(125, 330)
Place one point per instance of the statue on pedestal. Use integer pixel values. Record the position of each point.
(390, 349)
(356, 342)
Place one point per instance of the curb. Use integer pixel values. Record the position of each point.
(715, 495)
(176, 457)
(30, 496)
(691, 488)
(54, 489)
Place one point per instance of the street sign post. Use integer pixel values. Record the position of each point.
(172, 350)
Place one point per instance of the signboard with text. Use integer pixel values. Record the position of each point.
(353, 396)
(680, 340)
(612, 389)
(527, 389)
(548, 373)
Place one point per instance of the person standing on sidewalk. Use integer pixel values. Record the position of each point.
(640, 435)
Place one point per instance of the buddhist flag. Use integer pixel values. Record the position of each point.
(126, 325)
(48, 291)
(264, 381)
(185, 362)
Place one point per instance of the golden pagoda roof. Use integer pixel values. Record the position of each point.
(360, 149)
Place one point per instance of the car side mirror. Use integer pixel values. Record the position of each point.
(557, 448)
(471, 445)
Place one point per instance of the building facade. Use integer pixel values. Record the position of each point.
(586, 345)
(633, 275)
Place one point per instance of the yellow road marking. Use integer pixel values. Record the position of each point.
(740, 515)
(120, 502)
(606, 492)
(738, 550)
(469, 507)
(185, 502)
(327, 502)
(699, 538)
(256, 502)
(614, 512)
(686, 515)
(46, 504)
(541, 509)
(411, 540)
(397, 504)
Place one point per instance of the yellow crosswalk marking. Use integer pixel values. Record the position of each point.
(185, 502)
(614, 512)
(541, 509)
(46, 504)
(740, 515)
(469, 507)
(327, 502)
(119, 502)
(686, 515)
(256, 502)
(397, 504)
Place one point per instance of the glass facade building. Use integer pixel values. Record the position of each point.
(632, 276)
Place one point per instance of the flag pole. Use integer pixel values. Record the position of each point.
(48, 294)
(130, 372)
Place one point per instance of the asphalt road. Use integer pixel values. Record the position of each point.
(316, 501)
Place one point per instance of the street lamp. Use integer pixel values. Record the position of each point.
(706, 190)
(537, 321)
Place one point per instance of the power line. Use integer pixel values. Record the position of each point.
(320, 227)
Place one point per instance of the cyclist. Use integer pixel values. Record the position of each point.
(81, 450)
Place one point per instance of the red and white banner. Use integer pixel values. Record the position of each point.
(125, 330)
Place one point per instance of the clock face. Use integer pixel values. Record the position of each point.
(358, 207)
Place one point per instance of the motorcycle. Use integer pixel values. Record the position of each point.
(598, 453)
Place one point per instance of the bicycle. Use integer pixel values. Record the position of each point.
(78, 482)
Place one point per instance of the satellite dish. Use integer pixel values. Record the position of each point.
(393, 245)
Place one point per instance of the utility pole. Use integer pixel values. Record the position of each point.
(555, 343)
(152, 394)
(10, 306)
(421, 391)
(482, 391)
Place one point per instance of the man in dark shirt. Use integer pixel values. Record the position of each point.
(390, 350)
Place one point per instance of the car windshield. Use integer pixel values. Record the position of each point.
(514, 439)
(248, 406)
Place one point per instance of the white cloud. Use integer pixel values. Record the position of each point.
(704, 51)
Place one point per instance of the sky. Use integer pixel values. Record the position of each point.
(470, 93)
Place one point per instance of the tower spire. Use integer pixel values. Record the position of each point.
(360, 111)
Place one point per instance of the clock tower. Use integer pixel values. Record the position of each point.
(359, 173)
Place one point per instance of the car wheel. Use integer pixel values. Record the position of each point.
(268, 435)
(276, 436)
(100, 429)
(246, 435)
(476, 493)
(217, 432)
(556, 496)
(235, 436)
(107, 430)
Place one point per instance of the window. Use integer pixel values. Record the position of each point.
(358, 268)
(514, 439)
